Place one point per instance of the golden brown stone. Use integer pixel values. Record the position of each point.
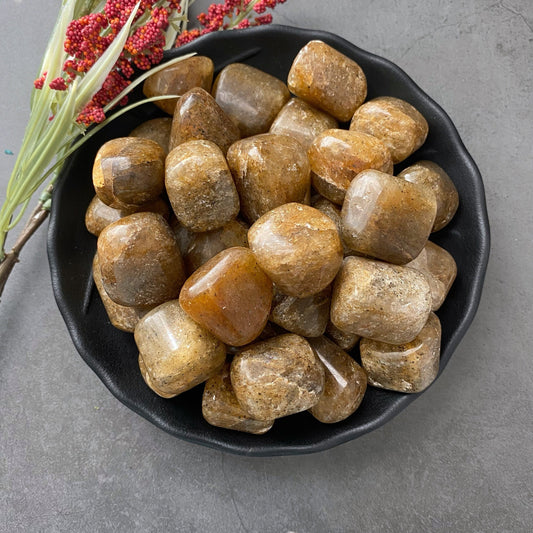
(337, 156)
(344, 385)
(298, 247)
(327, 79)
(277, 377)
(148, 380)
(156, 129)
(342, 339)
(230, 296)
(386, 217)
(140, 261)
(400, 126)
(380, 301)
(332, 211)
(408, 367)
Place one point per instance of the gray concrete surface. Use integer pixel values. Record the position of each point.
(459, 459)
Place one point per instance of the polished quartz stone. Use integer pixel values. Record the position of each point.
(440, 270)
(302, 122)
(220, 406)
(387, 217)
(269, 170)
(178, 353)
(140, 261)
(380, 301)
(251, 97)
(344, 385)
(129, 171)
(327, 79)
(200, 187)
(337, 156)
(179, 78)
(230, 296)
(433, 176)
(156, 129)
(400, 126)
(343, 339)
(298, 247)
(198, 116)
(277, 377)
(407, 367)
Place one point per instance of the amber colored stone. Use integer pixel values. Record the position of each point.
(220, 406)
(129, 171)
(277, 377)
(387, 217)
(431, 175)
(379, 301)
(251, 97)
(269, 170)
(179, 78)
(298, 247)
(199, 117)
(327, 79)
(230, 296)
(156, 129)
(344, 385)
(200, 187)
(178, 353)
(337, 156)
(302, 122)
(407, 367)
(140, 261)
(400, 126)
(342, 339)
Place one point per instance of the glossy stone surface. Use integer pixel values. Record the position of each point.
(220, 406)
(198, 116)
(298, 247)
(327, 79)
(433, 176)
(302, 122)
(400, 126)
(129, 171)
(269, 170)
(342, 339)
(140, 261)
(156, 129)
(178, 353)
(333, 211)
(277, 377)
(148, 380)
(230, 296)
(380, 301)
(386, 217)
(200, 187)
(251, 97)
(344, 385)
(179, 78)
(337, 156)
(408, 367)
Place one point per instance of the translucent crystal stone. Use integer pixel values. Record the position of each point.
(156, 129)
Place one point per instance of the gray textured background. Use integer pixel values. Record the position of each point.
(72, 458)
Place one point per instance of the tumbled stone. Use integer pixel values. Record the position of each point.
(337, 156)
(277, 377)
(440, 270)
(156, 129)
(387, 217)
(400, 126)
(178, 353)
(251, 97)
(148, 380)
(220, 406)
(302, 122)
(379, 301)
(140, 261)
(179, 78)
(342, 339)
(332, 211)
(269, 170)
(431, 175)
(230, 296)
(129, 171)
(344, 385)
(198, 116)
(200, 187)
(298, 247)
(327, 79)
(407, 367)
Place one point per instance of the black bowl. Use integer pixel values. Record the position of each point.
(112, 354)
